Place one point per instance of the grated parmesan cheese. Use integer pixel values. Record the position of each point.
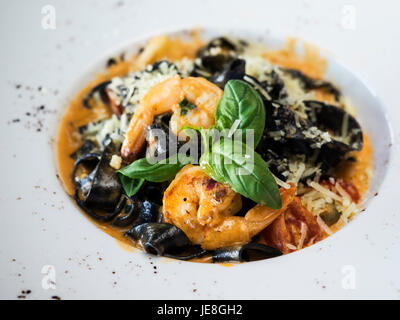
(318, 198)
(303, 234)
(129, 90)
(291, 246)
(281, 183)
(348, 212)
(346, 197)
(258, 67)
(324, 191)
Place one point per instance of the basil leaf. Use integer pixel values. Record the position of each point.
(158, 172)
(231, 161)
(241, 102)
(186, 106)
(205, 163)
(131, 186)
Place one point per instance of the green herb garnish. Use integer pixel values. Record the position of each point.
(227, 160)
(131, 186)
(231, 161)
(133, 175)
(241, 103)
(186, 106)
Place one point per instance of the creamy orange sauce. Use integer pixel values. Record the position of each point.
(358, 172)
(163, 47)
(126, 246)
(310, 63)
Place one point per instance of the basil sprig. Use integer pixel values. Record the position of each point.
(133, 175)
(131, 186)
(241, 102)
(227, 160)
(232, 162)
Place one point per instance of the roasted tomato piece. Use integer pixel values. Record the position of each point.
(348, 187)
(296, 228)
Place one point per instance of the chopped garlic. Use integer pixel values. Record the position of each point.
(116, 162)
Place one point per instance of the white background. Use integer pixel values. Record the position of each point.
(39, 225)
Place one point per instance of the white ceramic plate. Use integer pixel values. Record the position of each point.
(45, 231)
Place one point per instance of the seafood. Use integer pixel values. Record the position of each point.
(123, 94)
(204, 209)
(166, 97)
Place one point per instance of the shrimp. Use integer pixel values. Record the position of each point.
(204, 209)
(202, 95)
